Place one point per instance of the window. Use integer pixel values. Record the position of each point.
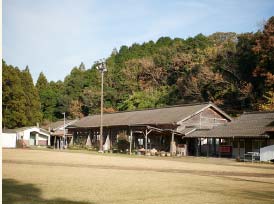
(141, 141)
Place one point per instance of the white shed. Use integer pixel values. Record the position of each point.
(8, 140)
(26, 136)
(267, 153)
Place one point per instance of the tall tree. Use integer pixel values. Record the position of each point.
(42, 82)
(32, 105)
(13, 98)
(48, 98)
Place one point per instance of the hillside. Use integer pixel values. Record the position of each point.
(235, 71)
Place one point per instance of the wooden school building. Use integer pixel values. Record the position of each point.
(160, 129)
(246, 134)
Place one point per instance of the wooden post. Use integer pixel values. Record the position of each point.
(55, 142)
(207, 150)
(186, 148)
(134, 143)
(92, 133)
(146, 142)
(36, 139)
(172, 143)
(260, 148)
(58, 144)
(219, 147)
(197, 149)
(130, 142)
(71, 141)
(214, 146)
(110, 138)
(244, 146)
(200, 148)
(239, 150)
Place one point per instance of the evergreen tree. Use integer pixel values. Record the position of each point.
(48, 98)
(42, 82)
(32, 105)
(13, 98)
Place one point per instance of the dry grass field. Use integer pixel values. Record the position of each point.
(52, 177)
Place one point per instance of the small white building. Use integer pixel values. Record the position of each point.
(8, 139)
(25, 136)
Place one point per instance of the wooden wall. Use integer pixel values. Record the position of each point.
(208, 118)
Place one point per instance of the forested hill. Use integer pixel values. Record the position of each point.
(235, 71)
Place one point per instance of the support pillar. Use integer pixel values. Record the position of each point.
(146, 141)
(207, 149)
(219, 148)
(54, 142)
(58, 144)
(130, 142)
(197, 147)
(134, 143)
(172, 145)
(36, 139)
(239, 150)
(214, 146)
(200, 148)
(71, 141)
(110, 138)
(186, 148)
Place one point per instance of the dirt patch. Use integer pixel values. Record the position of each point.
(196, 172)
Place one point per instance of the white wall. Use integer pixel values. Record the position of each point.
(27, 132)
(8, 140)
(267, 153)
(40, 136)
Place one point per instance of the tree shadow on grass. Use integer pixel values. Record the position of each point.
(15, 192)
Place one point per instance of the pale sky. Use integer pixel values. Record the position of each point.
(53, 36)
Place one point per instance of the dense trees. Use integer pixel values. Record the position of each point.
(20, 100)
(32, 105)
(233, 70)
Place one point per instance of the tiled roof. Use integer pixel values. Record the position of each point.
(167, 115)
(252, 124)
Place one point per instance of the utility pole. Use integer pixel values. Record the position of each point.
(101, 66)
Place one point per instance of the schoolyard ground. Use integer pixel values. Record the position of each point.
(71, 177)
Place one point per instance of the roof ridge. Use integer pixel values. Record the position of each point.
(171, 106)
(24, 128)
(257, 112)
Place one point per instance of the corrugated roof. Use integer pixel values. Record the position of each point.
(167, 115)
(15, 130)
(58, 124)
(188, 130)
(23, 129)
(252, 124)
(9, 130)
